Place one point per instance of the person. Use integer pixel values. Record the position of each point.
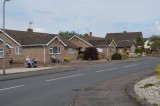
(28, 62)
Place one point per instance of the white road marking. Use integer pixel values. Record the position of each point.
(65, 77)
(11, 88)
(100, 71)
(130, 65)
(106, 70)
(112, 69)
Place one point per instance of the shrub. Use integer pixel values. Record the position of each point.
(138, 50)
(116, 56)
(125, 56)
(81, 56)
(148, 85)
(99, 57)
(67, 59)
(158, 71)
(91, 53)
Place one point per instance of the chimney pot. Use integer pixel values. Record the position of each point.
(30, 30)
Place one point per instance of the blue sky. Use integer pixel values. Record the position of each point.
(82, 16)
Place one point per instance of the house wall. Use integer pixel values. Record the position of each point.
(72, 56)
(79, 43)
(147, 44)
(60, 56)
(7, 65)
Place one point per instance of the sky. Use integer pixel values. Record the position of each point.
(82, 16)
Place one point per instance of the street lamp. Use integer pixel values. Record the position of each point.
(3, 38)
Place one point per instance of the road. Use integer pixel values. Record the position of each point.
(57, 89)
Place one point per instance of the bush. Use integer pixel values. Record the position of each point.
(99, 57)
(125, 56)
(158, 71)
(80, 56)
(67, 59)
(116, 56)
(138, 50)
(91, 53)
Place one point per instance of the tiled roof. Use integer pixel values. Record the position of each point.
(30, 38)
(124, 43)
(100, 42)
(68, 43)
(124, 36)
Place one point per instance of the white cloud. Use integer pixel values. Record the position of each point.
(40, 30)
(99, 16)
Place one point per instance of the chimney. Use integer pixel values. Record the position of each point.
(29, 30)
(125, 32)
(90, 34)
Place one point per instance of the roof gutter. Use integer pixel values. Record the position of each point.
(34, 45)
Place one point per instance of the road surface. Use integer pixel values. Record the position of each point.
(57, 89)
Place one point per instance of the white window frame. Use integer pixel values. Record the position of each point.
(58, 51)
(18, 50)
(1, 53)
(71, 51)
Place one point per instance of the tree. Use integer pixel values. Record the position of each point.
(125, 50)
(138, 50)
(91, 53)
(139, 41)
(68, 34)
(155, 42)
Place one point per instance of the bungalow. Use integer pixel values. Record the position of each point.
(105, 47)
(125, 40)
(126, 47)
(132, 36)
(40, 46)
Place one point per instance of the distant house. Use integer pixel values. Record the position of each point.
(130, 36)
(105, 47)
(130, 47)
(40, 46)
(125, 40)
(147, 43)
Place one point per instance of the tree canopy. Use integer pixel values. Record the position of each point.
(68, 34)
(155, 42)
(139, 41)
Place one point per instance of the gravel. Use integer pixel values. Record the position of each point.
(150, 93)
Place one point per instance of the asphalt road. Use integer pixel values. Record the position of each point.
(57, 89)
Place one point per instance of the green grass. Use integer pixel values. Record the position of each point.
(148, 85)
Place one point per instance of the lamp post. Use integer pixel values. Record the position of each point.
(4, 43)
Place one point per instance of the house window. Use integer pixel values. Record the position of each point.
(71, 51)
(132, 49)
(147, 44)
(18, 50)
(112, 49)
(1, 53)
(55, 50)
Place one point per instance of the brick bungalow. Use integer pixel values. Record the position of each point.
(125, 40)
(39, 46)
(105, 47)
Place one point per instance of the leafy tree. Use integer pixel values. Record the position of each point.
(125, 50)
(68, 34)
(139, 41)
(138, 50)
(91, 53)
(155, 42)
